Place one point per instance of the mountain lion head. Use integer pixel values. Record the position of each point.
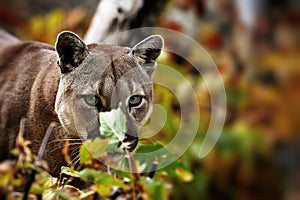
(96, 78)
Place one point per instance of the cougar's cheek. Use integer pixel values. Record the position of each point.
(65, 117)
(94, 133)
(142, 114)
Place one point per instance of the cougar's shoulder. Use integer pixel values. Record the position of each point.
(24, 66)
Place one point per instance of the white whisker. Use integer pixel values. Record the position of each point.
(61, 146)
(66, 139)
(75, 160)
(74, 152)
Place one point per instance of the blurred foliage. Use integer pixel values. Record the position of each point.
(45, 28)
(99, 175)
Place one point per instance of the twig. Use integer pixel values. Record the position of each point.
(96, 196)
(153, 169)
(29, 183)
(21, 127)
(132, 166)
(45, 141)
(133, 169)
(65, 152)
(40, 155)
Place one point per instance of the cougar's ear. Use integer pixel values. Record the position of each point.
(71, 51)
(148, 50)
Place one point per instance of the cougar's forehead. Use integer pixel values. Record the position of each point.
(111, 72)
(107, 59)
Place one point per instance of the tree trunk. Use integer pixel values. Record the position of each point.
(114, 16)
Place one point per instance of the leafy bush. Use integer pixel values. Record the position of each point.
(105, 169)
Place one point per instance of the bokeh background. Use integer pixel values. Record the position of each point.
(255, 45)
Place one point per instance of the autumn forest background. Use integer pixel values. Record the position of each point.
(255, 45)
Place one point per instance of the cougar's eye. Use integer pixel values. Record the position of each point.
(91, 100)
(135, 100)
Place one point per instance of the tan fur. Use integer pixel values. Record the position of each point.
(28, 88)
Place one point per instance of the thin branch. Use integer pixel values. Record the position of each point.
(45, 141)
(40, 155)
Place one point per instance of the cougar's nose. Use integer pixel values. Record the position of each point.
(130, 142)
(131, 136)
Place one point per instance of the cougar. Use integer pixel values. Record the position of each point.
(70, 84)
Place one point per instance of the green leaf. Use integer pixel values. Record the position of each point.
(90, 175)
(92, 149)
(174, 169)
(124, 174)
(147, 154)
(61, 194)
(103, 190)
(156, 189)
(184, 174)
(113, 126)
(149, 148)
(113, 123)
(6, 177)
(113, 145)
(69, 171)
(159, 192)
(99, 178)
(235, 97)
